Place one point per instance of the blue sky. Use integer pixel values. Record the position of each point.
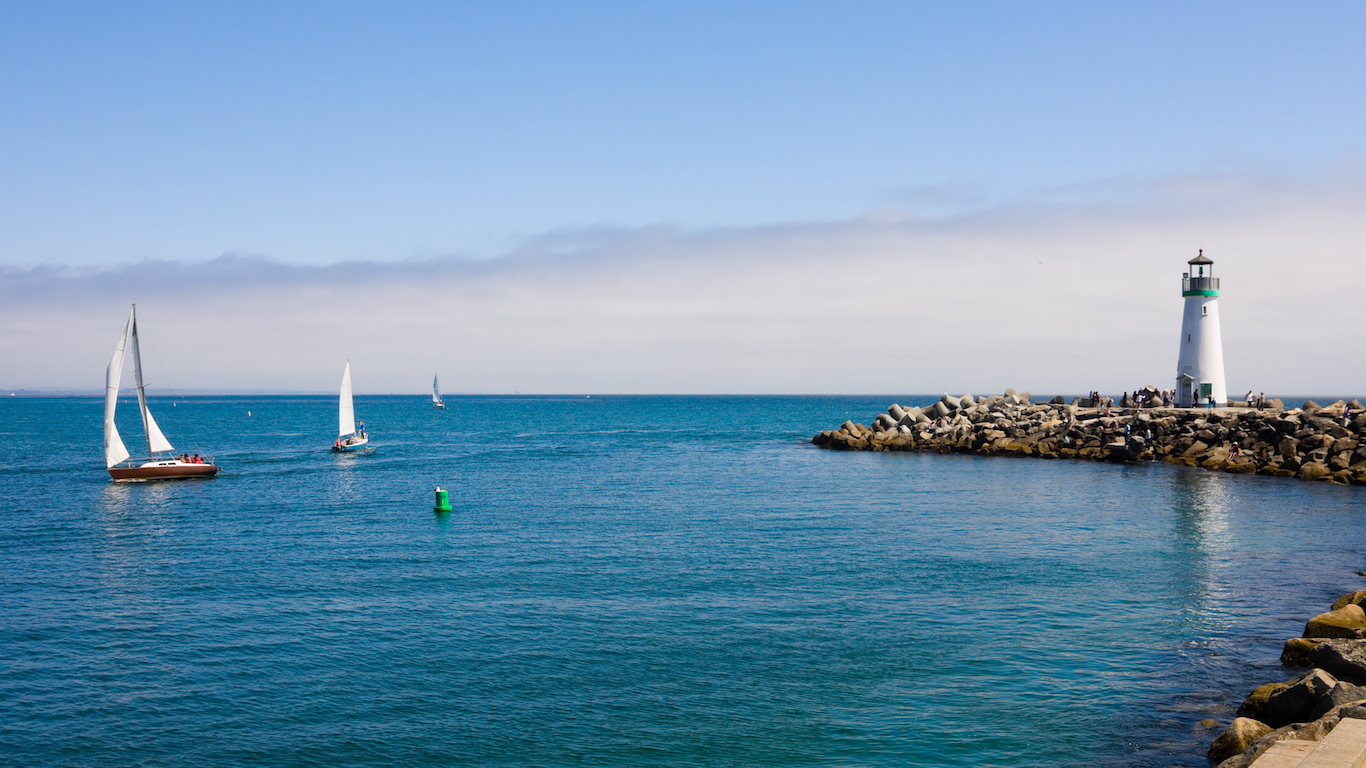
(307, 135)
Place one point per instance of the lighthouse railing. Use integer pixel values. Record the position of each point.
(1199, 284)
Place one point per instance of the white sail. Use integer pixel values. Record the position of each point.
(156, 442)
(346, 413)
(436, 391)
(114, 449)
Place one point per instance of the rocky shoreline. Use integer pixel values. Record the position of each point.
(1295, 715)
(1311, 442)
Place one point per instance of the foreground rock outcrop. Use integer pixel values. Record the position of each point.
(1308, 707)
(1311, 442)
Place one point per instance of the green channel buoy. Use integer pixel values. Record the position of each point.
(443, 500)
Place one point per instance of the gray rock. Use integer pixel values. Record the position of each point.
(1342, 693)
(1310, 406)
(896, 412)
(1297, 701)
(940, 410)
(1345, 659)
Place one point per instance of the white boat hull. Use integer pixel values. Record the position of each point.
(162, 470)
(352, 443)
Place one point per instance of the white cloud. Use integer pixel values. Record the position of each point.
(1063, 295)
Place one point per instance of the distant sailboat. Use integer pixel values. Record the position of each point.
(114, 450)
(436, 394)
(349, 436)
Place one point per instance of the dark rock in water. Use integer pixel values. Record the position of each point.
(1342, 693)
(821, 439)
(1254, 706)
(1295, 702)
(1058, 400)
(1296, 652)
(1237, 737)
(1346, 659)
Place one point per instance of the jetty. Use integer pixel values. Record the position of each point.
(1311, 442)
(1317, 719)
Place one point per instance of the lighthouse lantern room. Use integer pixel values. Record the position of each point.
(1200, 366)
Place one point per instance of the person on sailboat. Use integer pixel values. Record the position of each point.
(360, 428)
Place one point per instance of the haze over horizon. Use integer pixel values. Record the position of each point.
(680, 198)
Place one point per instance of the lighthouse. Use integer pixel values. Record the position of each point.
(1200, 366)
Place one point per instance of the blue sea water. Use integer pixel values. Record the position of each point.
(633, 581)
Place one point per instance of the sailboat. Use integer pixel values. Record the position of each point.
(349, 437)
(155, 468)
(436, 394)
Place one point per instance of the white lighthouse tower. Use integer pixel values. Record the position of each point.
(1200, 366)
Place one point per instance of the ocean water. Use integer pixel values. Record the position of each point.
(632, 581)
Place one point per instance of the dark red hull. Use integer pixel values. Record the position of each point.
(162, 470)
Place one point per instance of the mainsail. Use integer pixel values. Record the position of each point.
(436, 391)
(114, 449)
(156, 442)
(346, 413)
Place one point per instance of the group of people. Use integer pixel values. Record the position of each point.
(1141, 398)
(186, 458)
(1257, 401)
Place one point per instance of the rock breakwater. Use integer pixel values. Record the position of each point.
(1308, 707)
(1311, 442)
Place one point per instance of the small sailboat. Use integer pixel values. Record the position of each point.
(115, 453)
(436, 394)
(349, 436)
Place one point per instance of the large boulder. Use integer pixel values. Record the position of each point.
(1351, 598)
(896, 412)
(1342, 694)
(1296, 702)
(1349, 621)
(1345, 659)
(1254, 706)
(1237, 737)
(1296, 651)
(1313, 470)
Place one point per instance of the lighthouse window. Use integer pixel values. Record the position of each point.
(1204, 310)
(1188, 338)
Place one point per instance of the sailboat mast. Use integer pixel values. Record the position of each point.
(137, 382)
